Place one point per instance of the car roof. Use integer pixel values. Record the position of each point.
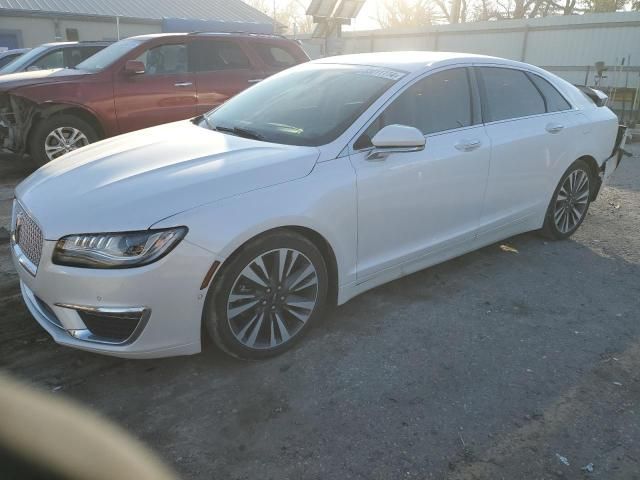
(411, 61)
(14, 51)
(88, 42)
(150, 36)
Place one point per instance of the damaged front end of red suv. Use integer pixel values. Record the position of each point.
(17, 115)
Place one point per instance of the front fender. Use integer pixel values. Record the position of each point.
(324, 201)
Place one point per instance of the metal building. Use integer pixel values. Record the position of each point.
(28, 23)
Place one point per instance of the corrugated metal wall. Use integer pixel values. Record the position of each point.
(565, 45)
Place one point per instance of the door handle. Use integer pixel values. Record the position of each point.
(468, 145)
(255, 80)
(554, 127)
(183, 84)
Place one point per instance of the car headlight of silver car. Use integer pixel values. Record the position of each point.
(116, 250)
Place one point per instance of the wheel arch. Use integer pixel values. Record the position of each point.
(595, 174)
(47, 111)
(319, 240)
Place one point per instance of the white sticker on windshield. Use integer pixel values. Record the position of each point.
(382, 73)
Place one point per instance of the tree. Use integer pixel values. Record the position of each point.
(405, 13)
(289, 13)
(598, 6)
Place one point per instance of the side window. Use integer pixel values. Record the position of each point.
(212, 55)
(7, 59)
(437, 103)
(165, 59)
(275, 56)
(555, 101)
(510, 94)
(53, 59)
(74, 56)
(89, 52)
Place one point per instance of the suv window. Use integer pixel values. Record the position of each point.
(439, 102)
(510, 94)
(275, 56)
(54, 59)
(165, 59)
(212, 55)
(74, 56)
(555, 101)
(8, 58)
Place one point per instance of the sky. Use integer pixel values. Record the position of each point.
(366, 18)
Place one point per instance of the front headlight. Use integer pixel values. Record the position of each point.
(116, 250)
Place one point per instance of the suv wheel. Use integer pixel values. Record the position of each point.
(59, 134)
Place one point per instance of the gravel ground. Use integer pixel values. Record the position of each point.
(489, 366)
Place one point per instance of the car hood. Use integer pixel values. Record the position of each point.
(15, 80)
(132, 181)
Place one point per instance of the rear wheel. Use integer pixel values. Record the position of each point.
(570, 202)
(267, 297)
(59, 134)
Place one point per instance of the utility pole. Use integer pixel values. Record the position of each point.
(275, 22)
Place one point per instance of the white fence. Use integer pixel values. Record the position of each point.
(566, 45)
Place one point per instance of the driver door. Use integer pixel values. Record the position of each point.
(412, 205)
(164, 93)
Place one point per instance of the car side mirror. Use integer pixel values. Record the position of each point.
(134, 67)
(396, 139)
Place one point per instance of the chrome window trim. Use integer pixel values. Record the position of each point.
(525, 71)
(412, 80)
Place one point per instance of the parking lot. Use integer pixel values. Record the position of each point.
(493, 365)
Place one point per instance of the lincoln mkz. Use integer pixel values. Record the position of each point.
(307, 189)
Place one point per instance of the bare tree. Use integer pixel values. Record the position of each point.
(405, 13)
(290, 13)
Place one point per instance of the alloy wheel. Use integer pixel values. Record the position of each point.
(63, 140)
(572, 201)
(272, 298)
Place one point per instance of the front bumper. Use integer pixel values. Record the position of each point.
(166, 294)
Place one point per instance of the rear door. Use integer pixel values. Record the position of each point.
(531, 137)
(165, 93)
(222, 69)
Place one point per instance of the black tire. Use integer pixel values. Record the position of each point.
(216, 307)
(45, 127)
(550, 228)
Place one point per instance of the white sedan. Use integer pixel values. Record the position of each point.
(305, 190)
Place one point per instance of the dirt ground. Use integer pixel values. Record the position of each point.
(490, 366)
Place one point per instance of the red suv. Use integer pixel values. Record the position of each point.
(134, 83)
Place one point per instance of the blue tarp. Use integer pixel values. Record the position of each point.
(176, 25)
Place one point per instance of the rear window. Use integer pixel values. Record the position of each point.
(212, 55)
(555, 101)
(510, 94)
(275, 56)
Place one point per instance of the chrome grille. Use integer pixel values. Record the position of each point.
(27, 235)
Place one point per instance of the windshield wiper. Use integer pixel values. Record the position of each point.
(239, 131)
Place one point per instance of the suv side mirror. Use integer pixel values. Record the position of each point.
(134, 67)
(396, 139)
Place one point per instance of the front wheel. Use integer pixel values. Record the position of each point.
(570, 202)
(267, 297)
(59, 134)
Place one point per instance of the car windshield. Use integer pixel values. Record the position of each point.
(21, 62)
(107, 56)
(309, 105)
